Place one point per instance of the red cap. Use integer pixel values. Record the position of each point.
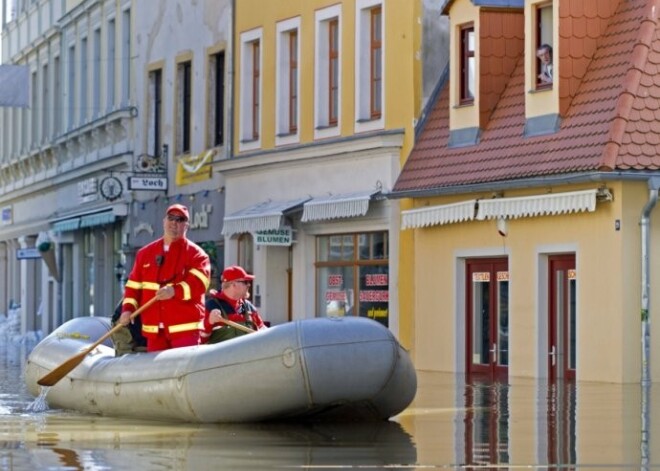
(236, 273)
(179, 209)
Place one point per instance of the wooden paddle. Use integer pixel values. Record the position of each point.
(236, 325)
(65, 368)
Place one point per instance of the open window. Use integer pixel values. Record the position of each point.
(250, 95)
(467, 65)
(287, 81)
(369, 65)
(327, 74)
(544, 47)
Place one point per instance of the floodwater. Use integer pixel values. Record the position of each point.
(450, 425)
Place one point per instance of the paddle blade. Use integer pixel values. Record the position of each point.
(61, 371)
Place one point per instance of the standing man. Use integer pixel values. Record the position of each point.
(176, 271)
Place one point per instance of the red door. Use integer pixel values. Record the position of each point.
(487, 290)
(562, 317)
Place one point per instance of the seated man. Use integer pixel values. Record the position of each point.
(129, 339)
(230, 303)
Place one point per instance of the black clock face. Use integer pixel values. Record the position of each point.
(111, 188)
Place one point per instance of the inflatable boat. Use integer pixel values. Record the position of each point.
(334, 369)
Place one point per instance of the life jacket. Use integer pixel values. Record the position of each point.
(223, 332)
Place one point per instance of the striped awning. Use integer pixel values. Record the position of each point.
(65, 225)
(98, 219)
(438, 215)
(538, 205)
(345, 205)
(263, 216)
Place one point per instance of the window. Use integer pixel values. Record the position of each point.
(328, 72)
(184, 94)
(467, 65)
(71, 89)
(57, 96)
(250, 90)
(246, 252)
(110, 72)
(84, 80)
(217, 99)
(34, 115)
(287, 81)
(255, 82)
(369, 66)
(96, 73)
(544, 51)
(352, 275)
(154, 139)
(45, 104)
(125, 57)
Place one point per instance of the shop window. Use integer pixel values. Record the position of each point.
(467, 65)
(544, 49)
(352, 275)
(246, 252)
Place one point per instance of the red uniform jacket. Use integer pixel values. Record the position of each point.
(186, 267)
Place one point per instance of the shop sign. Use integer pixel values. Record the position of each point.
(88, 190)
(5, 215)
(282, 236)
(147, 183)
(31, 252)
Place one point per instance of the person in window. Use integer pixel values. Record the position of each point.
(230, 303)
(176, 271)
(544, 53)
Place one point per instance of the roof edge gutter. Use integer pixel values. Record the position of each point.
(590, 177)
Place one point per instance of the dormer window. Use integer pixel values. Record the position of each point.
(544, 49)
(467, 67)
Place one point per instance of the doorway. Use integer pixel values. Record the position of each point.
(487, 318)
(562, 317)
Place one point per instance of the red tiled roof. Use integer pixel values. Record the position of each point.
(612, 123)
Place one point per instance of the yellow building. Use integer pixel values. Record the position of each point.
(327, 94)
(532, 183)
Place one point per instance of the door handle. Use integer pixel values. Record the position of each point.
(553, 354)
(493, 353)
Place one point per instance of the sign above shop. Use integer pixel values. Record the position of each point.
(282, 236)
(147, 183)
(31, 252)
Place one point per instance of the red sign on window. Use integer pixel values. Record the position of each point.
(335, 280)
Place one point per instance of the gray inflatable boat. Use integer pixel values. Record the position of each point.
(335, 369)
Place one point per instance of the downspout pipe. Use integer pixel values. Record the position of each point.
(654, 188)
(645, 450)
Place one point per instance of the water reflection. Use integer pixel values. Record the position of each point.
(452, 423)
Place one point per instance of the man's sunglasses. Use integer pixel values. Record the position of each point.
(171, 217)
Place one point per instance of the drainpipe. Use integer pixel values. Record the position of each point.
(654, 187)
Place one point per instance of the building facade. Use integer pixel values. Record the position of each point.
(326, 98)
(532, 230)
(127, 113)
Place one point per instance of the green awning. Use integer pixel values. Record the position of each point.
(98, 219)
(70, 224)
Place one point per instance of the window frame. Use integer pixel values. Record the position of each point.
(250, 90)
(369, 117)
(324, 126)
(541, 33)
(467, 78)
(287, 101)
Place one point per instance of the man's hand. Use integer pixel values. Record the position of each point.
(125, 318)
(166, 292)
(214, 316)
